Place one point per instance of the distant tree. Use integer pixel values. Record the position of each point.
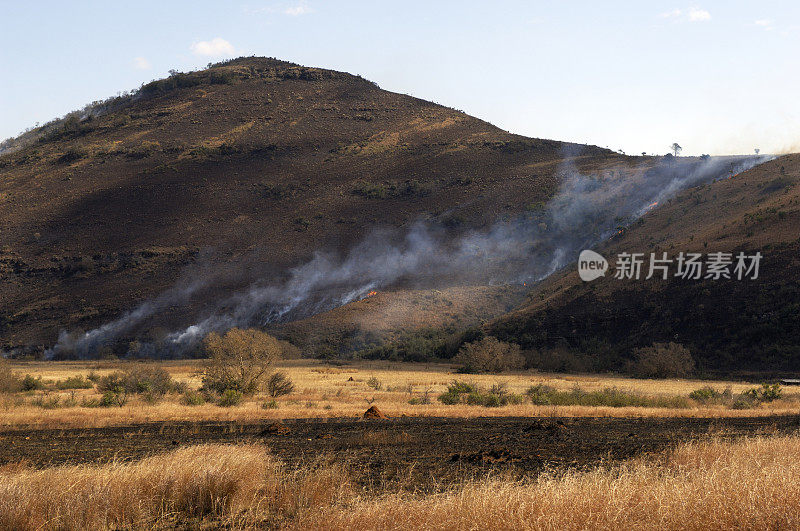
(489, 355)
(662, 360)
(676, 148)
(239, 360)
(644, 153)
(758, 151)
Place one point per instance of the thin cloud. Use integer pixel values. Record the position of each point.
(140, 63)
(693, 14)
(675, 13)
(300, 9)
(216, 47)
(764, 23)
(698, 15)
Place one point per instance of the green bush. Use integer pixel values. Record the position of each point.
(765, 393)
(468, 393)
(540, 394)
(29, 383)
(449, 398)
(193, 398)
(74, 382)
(459, 386)
(709, 395)
(270, 404)
(421, 400)
(609, 397)
(111, 398)
(229, 398)
(374, 383)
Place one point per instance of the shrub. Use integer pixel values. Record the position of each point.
(744, 401)
(709, 395)
(468, 393)
(9, 383)
(239, 360)
(609, 397)
(449, 398)
(192, 398)
(279, 384)
(540, 394)
(73, 154)
(270, 404)
(150, 379)
(112, 383)
(111, 398)
(74, 382)
(662, 360)
(91, 402)
(141, 379)
(47, 402)
(766, 393)
(29, 383)
(374, 383)
(489, 355)
(229, 398)
(422, 400)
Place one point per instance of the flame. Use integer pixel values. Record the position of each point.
(652, 205)
(371, 293)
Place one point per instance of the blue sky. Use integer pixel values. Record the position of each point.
(716, 76)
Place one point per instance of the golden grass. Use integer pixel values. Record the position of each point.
(750, 483)
(325, 391)
(206, 482)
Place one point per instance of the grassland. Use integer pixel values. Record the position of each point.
(750, 483)
(325, 391)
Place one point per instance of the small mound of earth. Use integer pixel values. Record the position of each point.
(374, 413)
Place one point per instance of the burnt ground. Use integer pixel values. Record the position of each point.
(411, 452)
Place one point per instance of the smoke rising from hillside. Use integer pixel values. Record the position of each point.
(587, 209)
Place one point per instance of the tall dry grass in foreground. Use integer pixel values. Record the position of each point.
(752, 483)
(748, 484)
(237, 485)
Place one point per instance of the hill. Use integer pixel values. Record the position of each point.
(728, 325)
(203, 183)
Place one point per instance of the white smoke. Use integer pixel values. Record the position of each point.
(586, 210)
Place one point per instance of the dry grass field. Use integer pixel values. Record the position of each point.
(326, 391)
(751, 483)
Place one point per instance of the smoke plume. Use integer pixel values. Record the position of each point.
(587, 210)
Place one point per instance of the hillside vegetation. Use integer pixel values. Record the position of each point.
(232, 174)
(728, 325)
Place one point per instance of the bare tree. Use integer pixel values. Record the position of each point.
(676, 148)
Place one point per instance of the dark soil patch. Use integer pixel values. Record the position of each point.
(410, 452)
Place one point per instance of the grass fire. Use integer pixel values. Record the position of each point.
(243, 292)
